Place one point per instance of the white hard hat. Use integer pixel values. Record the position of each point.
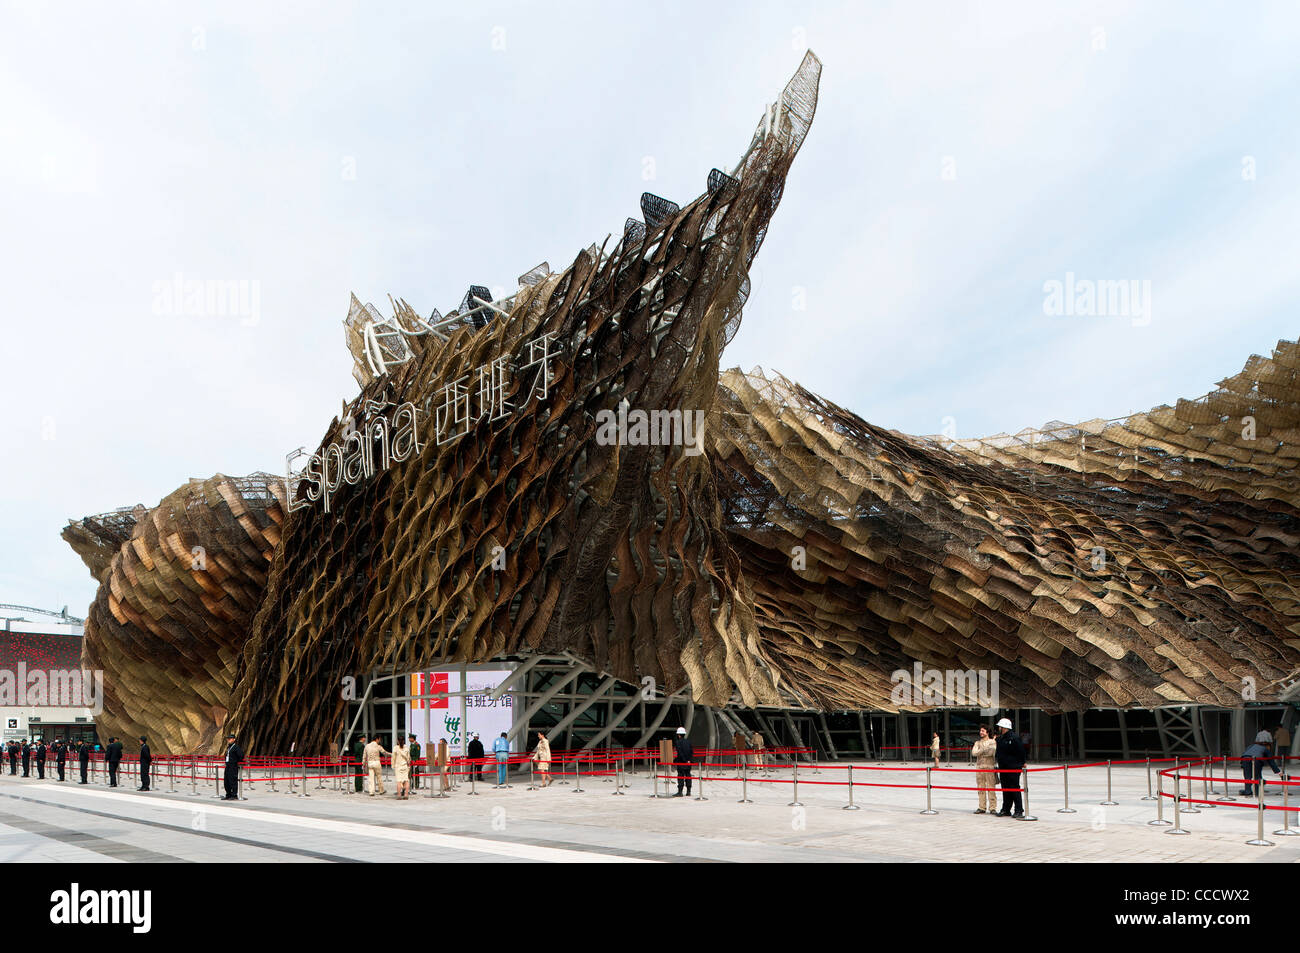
(681, 731)
(1004, 723)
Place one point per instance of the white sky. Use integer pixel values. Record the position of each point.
(138, 141)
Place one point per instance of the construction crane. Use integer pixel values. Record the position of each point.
(61, 615)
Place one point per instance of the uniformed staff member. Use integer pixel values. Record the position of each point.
(41, 755)
(984, 754)
(234, 758)
(683, 757)
(13, 757)
(359, 752)
(415, 761)
(83, 750)
(146, 759)
(61, 754)
(374, 753)
(27, 757)
(114, 759)
(475, 754)
(1011, 760)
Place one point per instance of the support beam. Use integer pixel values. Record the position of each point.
(576, 713)
(555, 689)
(614, 721)
(659, 720)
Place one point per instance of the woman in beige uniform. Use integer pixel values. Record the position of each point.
(402, 768)
(984, 754)
(542, 755)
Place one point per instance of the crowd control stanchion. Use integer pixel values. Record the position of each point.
(171, 777)
(1110, 801)
(654, 776)
(1193, 809)
(795, 802)
(270, 773)
(1178, 817)
(744, 783)
(618, 779)
(577, 777)
(216, 780)
(304, 779)
(1149, 795)
(1024, 786)
(1205, 786)
(1160, 803)
(704, 769)
(247, 784)
(194, 781)
(929, 808)
(532, 780)
(1065, 779)
(1286, 811)
(850, 806)
(1227, 786)
(1259, 833)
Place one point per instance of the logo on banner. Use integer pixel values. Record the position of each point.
(429, 683)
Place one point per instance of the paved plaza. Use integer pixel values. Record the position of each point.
(52, 821)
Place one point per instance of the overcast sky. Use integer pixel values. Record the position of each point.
(962, 158)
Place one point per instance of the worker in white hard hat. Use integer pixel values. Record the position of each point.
(1011, 761)
(683, 757)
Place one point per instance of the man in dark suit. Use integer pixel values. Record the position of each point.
(13, 757)
(41, 754)
(61, 756)
(414, 748)
(358, 754)
(114, 759)
(146, 759)
(27, 757)
(234, 758)
(83, 752)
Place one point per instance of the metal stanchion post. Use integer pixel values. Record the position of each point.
(532, 780)
(744, 783)
(320, 779)
(1160, 803)
(929, 809)
(1149, 795)
(654, 776)
(1110, 801)
(850, 806)
(247, 783)
(1205, 785)
(1286, 812)
(1024, 784)
(171, 777)
(304, 779)
(1259, 833)
(618, 778)
(216, 780)
(194, 781)
(795, 802)
(577, 777)
(270, 772)
(704, 769)
(1193, 809)
(1065, 777)
(1178, 817)
(1227, 786)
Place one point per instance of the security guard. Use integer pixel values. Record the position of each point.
(683, 756)
(234, 757)
(41, 754)
(27, 757)
(83, 752)
(1011, 760)
(415, 758)
(146, 759)
(61, 756)
(114, 759)
(358, 753)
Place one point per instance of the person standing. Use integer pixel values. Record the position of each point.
(374, 753)
(27, 757)
(234, 758)
(41, 755)
(114, 760)
(542, 755)
(402, 769)
(475, 754)
(934, 748)
(984, 753)
(1282, 749)
(83, 755)
(501, 748)
(760, 748)
(61, 756)
(359, 755)
(415, 762)
(683, 758)
(146, 759)
(1010, 760)
(13, 757)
